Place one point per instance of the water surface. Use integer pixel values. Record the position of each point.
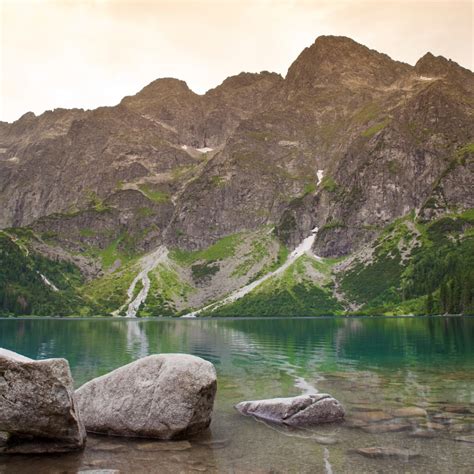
(372, 365)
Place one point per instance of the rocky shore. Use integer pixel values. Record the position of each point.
(161, 397)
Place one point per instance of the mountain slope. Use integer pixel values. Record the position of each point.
(349, 142)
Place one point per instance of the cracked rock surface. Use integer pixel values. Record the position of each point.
(37, 409)
(164, 396)
(295, 411)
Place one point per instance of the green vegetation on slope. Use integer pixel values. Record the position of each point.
(24, 292)
(154, 194)
(222, 249)
(435, 275)
(290, 294)
(165, 288)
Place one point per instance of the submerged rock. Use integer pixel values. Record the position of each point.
(37, 411)
(465, 439)
(302, 410)
(165, 446)
(387, 452)
(409, 412)
(386, 428)
(163, 396)
(372, 416)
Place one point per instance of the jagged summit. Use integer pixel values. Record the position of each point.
(439, 66)
(340, 60)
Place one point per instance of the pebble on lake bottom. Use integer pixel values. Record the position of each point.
(387, 452)
(386, 428)
(465, 439)
(408, 412)
(164, 446)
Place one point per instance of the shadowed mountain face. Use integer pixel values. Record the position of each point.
(349, 141)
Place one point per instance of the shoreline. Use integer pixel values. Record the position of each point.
(230, 318)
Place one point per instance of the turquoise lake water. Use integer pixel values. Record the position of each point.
(374, 366)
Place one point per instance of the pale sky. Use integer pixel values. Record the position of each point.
(88, 53)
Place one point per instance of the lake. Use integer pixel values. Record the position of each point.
(374, 366)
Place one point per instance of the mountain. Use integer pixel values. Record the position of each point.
(171, 201)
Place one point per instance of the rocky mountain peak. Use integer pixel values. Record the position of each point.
(439, 66)
(339, 60)
(246, 79)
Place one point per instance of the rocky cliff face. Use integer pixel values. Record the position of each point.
(347, 142)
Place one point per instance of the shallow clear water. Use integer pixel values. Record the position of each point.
(371, 365)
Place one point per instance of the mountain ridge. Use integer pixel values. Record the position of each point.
(348, 142)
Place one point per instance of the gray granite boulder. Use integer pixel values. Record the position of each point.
(165, 396)
(302, 410)
(37, 410)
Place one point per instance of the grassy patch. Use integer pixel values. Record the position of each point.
(154, 194)
(165, 288)
(333, 224)
(328, 184)
(309, 188)
(371, 131)
(218, 181)
(222, 249)
(96, 202)
(203, 271)
(86, 233)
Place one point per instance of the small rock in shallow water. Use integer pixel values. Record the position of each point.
(442, 418)
(386, 428)
(164, 446)
(387, 452)
(354, 423)
(458, 409)
(215, 443)
(325, 440)
(302, 410)
(372, 416)
(434, 426)
(465, 439)
(409, 412)
(424, 434)
(461, 428)
(111, 447)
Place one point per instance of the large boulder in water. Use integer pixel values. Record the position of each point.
(302, 410)
(37, 412)
(164, 396)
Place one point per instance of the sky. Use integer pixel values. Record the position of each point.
(89, 53)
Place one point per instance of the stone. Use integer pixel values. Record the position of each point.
(387, 452)
(458, 409)
(461, 427)
(325, 440)
(465, 439)
(372, 416)
(165, 396)
(386, 428)
(408, 412)
(434, 426)
(310, 409)
(164, 446)
(442, 418)
(354, 423)
(424, 434)
(214, 443)
(37, 408)
(110, 447)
